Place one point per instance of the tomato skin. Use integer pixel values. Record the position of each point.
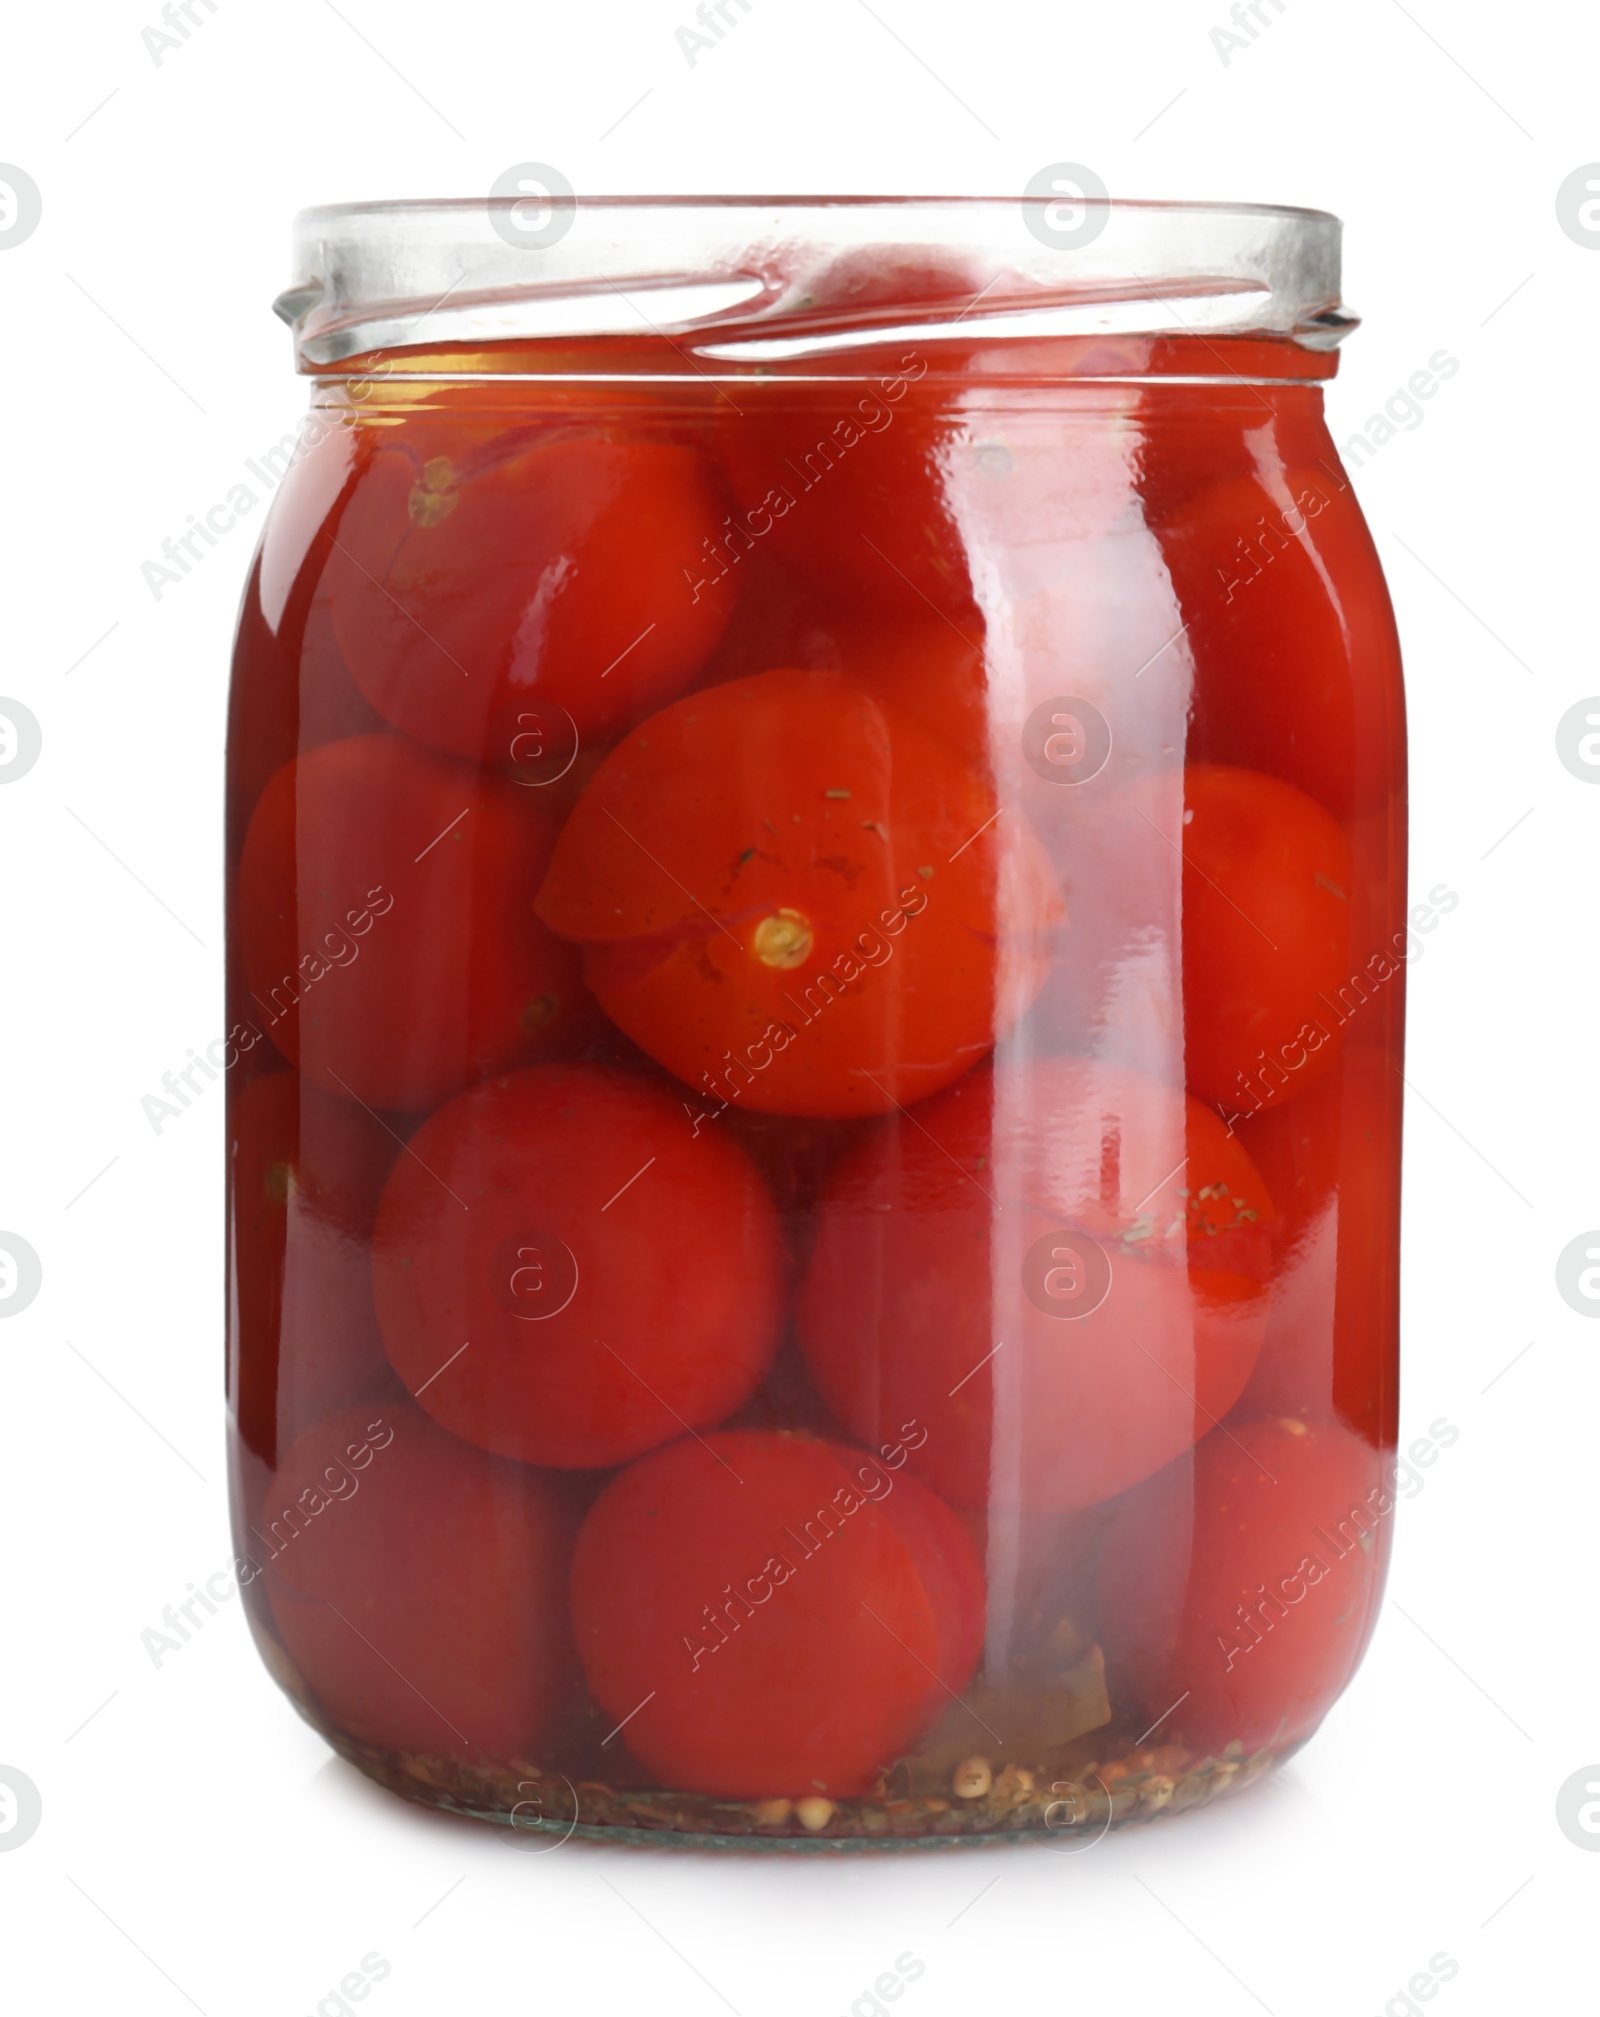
(670, 1274)
(801, 901)
(907, 500)
(778, 619)
(863, 286)
(1260, 895)
(1331, 1161)
(461, 979)
(425, 1601)
(951, 1568)
(925, 665)
(1291, 632)
(305, 1172)
(1215, 1533)
(849, 482)
(873, 1610)
(1267, 936)
(547, 565)
(930, 670)
(915, 1304)
(1185, 451)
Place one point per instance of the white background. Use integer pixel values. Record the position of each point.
(199, 1848)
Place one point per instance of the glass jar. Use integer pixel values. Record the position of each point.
(818, 933)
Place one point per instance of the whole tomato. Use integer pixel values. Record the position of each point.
(799, 900)
(1291, 633)
(305, 1171)
(1245, 1580)
(1332, 1163)
(566, 1272)
(548, 573)
(385, 902)
(1057, 1271)
(773, 1615)
(419, 1586)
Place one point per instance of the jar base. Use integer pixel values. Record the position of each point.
(540, 1808)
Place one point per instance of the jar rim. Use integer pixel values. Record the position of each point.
(741, 282)
(851, 200)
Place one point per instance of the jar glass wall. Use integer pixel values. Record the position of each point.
(817, 948)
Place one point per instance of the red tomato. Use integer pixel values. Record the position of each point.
(305, 1170)
(1291, 633)
(1246, 881)
(1246, 1579)
(386, 919)
(922, 663)
(568, 1274)
(923, 500)
(948, 1242)
(547, 565)
(1332, 1161)
(777, 620)
(1267, 935)
(1188, 444)
(799, 900)
(785, 1616)
(929, 670)
(875, 286)
(849, 483)
(419, 1586)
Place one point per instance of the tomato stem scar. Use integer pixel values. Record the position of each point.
(782, 940)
